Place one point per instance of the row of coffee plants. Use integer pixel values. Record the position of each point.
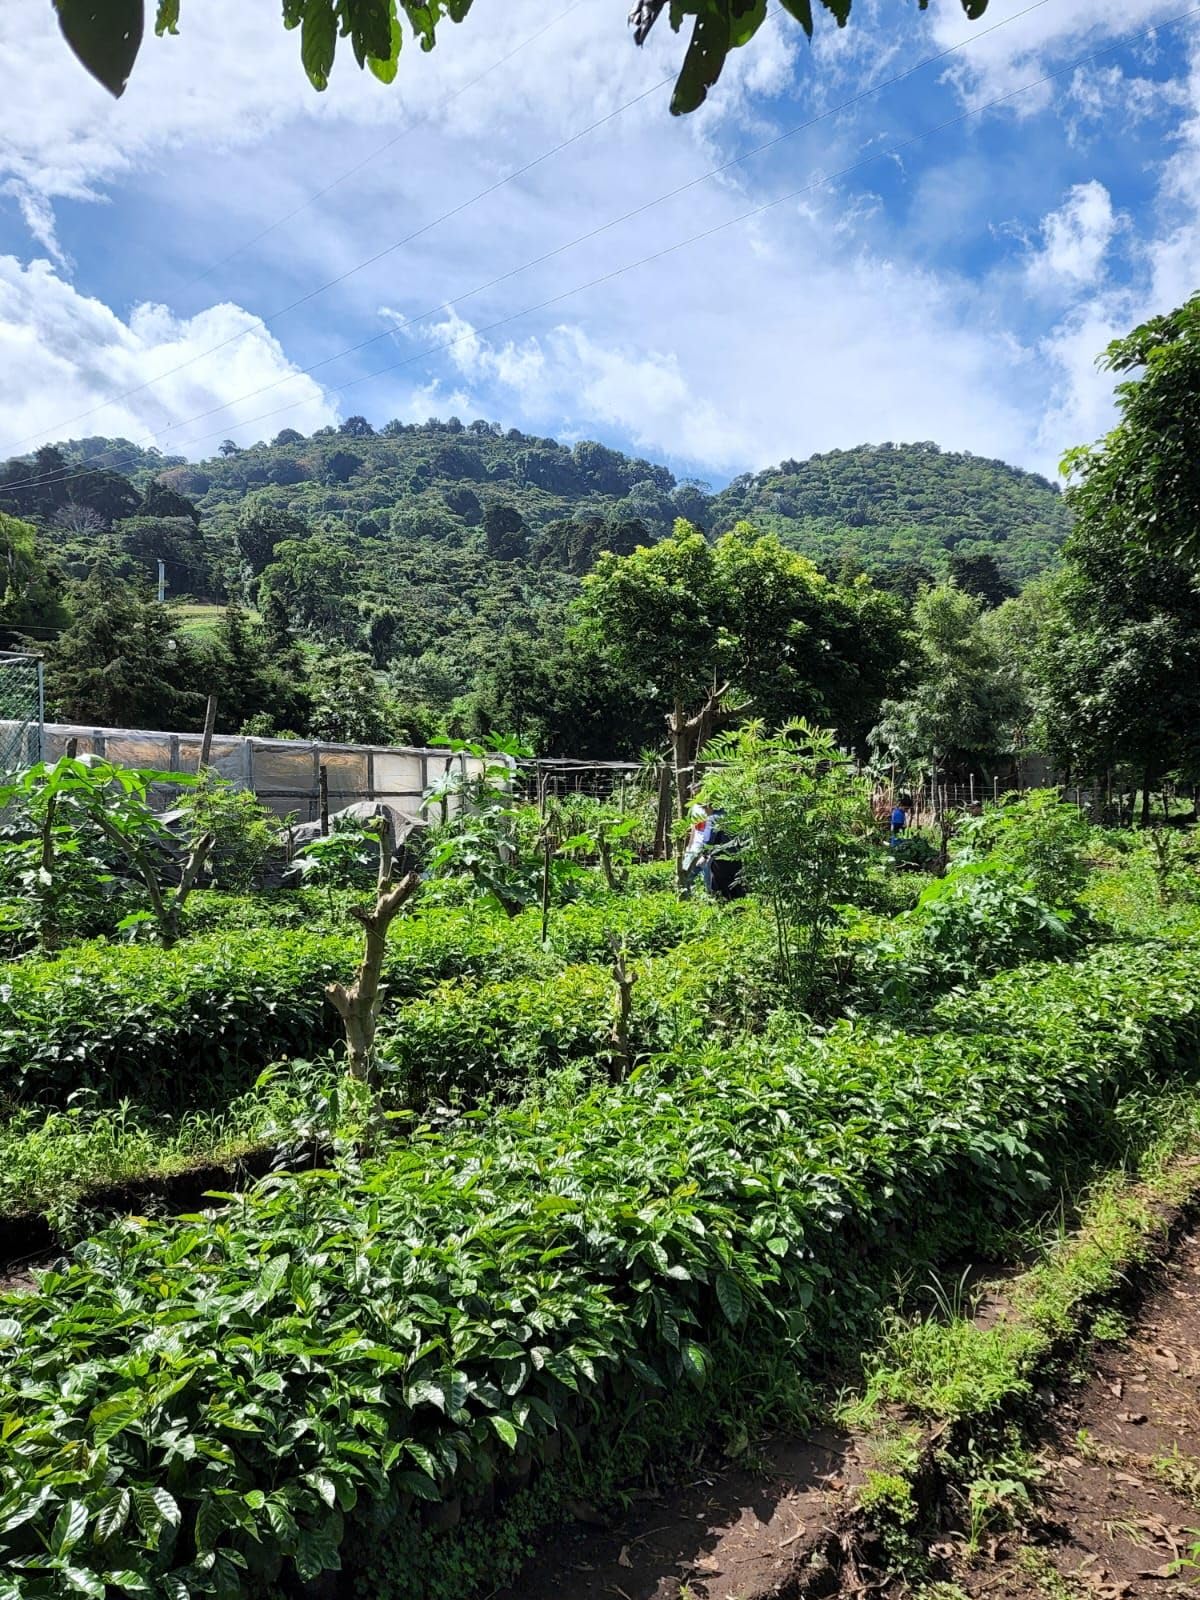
(213, 1405)
(462, 1042)
(193, 1024)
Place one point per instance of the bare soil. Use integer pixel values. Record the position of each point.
(1120, 1503)
(730, 1534)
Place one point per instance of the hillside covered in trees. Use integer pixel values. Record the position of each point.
(426, 579)
(898, 508)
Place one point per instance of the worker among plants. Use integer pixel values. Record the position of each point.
(899, 822)
(695, 855)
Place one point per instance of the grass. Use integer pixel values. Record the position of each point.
(968, 1380)
(55, 1163)
(1038, 1566)
(951, 1368)
(197, 618)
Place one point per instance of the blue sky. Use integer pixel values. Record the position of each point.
(956, 284)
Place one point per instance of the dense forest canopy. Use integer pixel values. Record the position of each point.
(427, 579)
(889, 507)
(937, 610)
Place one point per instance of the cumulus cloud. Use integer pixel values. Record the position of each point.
(63, 354)
(1076, 237)
(872, 308)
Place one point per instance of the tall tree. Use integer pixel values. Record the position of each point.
(260, 528)
(1142, 482)
(1117, 684)
(32, 591)
(120, 663)
(959, 714)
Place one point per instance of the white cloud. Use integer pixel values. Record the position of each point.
(820, 323)
(1076, 237)
(63, 353)
(38, 214)
(1027, 46)
(233, 78)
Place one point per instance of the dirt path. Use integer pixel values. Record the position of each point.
(726, 1535)
(1120, 1503)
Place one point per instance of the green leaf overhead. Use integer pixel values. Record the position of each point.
(106, 35)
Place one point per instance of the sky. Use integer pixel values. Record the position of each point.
(917, 228)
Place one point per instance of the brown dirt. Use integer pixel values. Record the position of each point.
(725, 1535)
(1120, 1502)
(28, 1239)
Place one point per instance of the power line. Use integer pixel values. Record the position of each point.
(604, 227)
(720, 227)
(657, 255)
(379, 150)
(370, 261)
(447, 305)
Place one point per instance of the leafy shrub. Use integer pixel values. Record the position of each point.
(984, 916)
(243, 831)
(204, 1403)
(462, 1043)
(1038, 837)
(800, 815)
(174, 1027)
(193, 1024)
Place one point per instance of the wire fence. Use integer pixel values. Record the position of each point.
(21, 711)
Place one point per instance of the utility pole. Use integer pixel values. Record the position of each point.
(162, 582)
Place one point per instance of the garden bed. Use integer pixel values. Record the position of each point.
(345, 1349)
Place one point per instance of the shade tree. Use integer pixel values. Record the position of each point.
(107, 42)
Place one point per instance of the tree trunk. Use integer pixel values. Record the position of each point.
(662, 826)
(358, 1003)
(1147, 781)
(624, 978)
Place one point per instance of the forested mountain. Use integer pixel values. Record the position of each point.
(440, 565)
(891, 506)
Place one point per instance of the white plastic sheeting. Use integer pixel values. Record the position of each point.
(284, 773)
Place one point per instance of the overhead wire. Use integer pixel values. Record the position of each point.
(604, 227)
(558, 250)
(379, 150)
(744, 216)
(606, 277)
(369, 261)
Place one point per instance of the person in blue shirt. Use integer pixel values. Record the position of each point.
(899, 822)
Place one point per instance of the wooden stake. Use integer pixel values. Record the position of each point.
(624, 978)
(210, 723)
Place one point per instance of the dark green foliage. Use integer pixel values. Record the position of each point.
(1114, 675)
(896, 506)
(980, 576)
(252, 673)
(260, 528)
(32, 595)
(192, 1024)
(1142, 483)
(143, 541)
(170, 1027)
(464, 1043)
(121, 662)
(357, 1343)
(449, 555)
(684, 616)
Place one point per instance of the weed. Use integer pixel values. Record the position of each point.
(1179, 1473)
(1053, 1585)
(1110, 1326)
